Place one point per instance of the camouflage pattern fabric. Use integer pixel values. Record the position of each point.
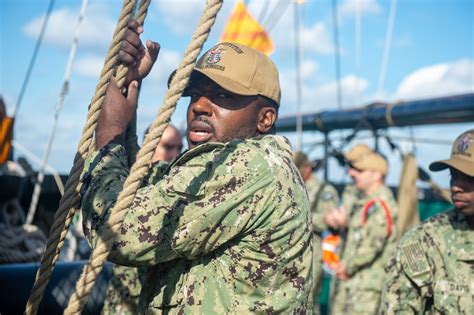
(328, 200)
(226, 230)
(367, 250)
(123, 291)
(433, 270)
(124, 287)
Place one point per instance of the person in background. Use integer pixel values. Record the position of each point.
(433, 269)
(170, 146)
(369, 238)
(322, 197)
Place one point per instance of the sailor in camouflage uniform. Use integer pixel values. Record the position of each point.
(433, 270)
(227, 228)
(323, 197)
(369, 240)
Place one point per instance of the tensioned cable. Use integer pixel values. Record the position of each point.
(59, 105)
(33, 58)
(275, 15)
(387, 47)
(358, 39)
(337, 59)
(32, 157)
(299, 97)
(263, 12)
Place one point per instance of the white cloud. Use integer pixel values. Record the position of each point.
(322, 97)
(308, 69)
(89, 66)
(317, 39)
(181, 17)
(349, 7)
(95, 31)
(438, 80)
(168, 60)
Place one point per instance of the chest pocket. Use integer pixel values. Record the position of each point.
(451, 297)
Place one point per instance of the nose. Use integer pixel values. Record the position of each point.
(202, 106)
(457, 185)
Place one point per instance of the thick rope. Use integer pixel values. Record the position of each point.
(139, 169)
(20, 243)
(131, 135)
(70, 201)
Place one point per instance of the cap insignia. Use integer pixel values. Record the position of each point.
(215, 55)
(463, 143)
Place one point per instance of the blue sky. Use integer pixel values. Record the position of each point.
(432, 54)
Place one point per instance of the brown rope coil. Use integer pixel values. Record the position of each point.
(140, 167)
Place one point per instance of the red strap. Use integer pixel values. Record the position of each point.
(386, 209)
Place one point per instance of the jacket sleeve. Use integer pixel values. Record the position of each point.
(200, 205)
(328, 200)
(371, 240)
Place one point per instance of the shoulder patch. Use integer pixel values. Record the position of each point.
(414, 259)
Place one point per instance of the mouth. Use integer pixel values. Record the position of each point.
(200, 131)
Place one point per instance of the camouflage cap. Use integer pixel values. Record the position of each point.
(357, 151)
(300, 159)
(241, 70)
(462, 155)
(371, 162)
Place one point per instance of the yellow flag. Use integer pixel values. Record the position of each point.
(242, 28)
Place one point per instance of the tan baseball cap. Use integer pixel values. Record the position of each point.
(371, 162)
(357, 151)
(241, 70)
(462, 155)
(300, 159)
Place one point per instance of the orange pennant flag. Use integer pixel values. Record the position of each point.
(242, 28)
(6, 134)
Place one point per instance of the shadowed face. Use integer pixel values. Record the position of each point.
(217, 115)
(462, 192)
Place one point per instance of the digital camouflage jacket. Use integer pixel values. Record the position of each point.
(433, 271)
(226, 230)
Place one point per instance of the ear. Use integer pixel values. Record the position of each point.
(266, 119)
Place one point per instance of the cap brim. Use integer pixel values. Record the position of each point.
(228, 84)
(458, 164)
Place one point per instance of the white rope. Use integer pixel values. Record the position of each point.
(59, 105)
(388, 44)
(31, 156)
(358, 39)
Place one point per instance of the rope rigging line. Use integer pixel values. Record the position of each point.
(337, 59)
(299, 90)
(70, 201)
(387, 46)
(59, 105)
(33, 58)
(275, 15)
(358, 40)
(140, 167)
